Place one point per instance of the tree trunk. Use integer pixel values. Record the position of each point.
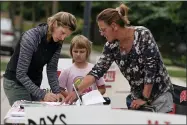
(21, 16)
(11, 10)
(87, 16)
(55, 7)
(47, 7)
(33, 15)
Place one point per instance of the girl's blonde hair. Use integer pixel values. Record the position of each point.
(118, 15)
(63, 19)
(81, 42)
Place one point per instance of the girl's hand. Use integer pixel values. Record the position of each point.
(60, 97)
(70, 98)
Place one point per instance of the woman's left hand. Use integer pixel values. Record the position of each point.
(137, 103)
(60, 97)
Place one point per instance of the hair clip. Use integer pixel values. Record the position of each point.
(118, 10)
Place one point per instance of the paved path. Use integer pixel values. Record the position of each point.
(4, 103)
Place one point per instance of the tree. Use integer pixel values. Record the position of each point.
(21, 16)
(167, 21)
(11, 10)
(55, 7)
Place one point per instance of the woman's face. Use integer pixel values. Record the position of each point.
(79, 55)
(60, 33)
(107, 31)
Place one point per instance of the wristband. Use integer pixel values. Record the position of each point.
(148, 101)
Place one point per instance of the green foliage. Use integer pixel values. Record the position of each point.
(77, 31)
(98, 6)
(79, 26)
(149, 10)
(183, 59)
(4, 6)
(27, 26)
(98, 48)
(167, 20)
(167, 61)
(3, 66)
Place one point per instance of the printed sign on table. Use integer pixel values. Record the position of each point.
(97, 115)
(110, 76)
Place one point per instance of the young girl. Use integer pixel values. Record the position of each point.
(80, 50)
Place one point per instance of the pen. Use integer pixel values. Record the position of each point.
(77, 94)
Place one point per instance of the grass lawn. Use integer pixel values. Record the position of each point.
(3, 66)
(177, 73)
(98, 48)
(167, 61)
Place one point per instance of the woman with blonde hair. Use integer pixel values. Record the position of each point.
(80, 50)
(136, 53)
(38, 46)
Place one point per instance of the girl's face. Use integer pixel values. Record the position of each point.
(60, 33)
(79, 55)
(107, 31)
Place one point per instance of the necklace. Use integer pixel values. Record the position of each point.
(126, 43)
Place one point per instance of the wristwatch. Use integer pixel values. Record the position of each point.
(148, 101)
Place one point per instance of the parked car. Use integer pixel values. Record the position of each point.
(9, 37)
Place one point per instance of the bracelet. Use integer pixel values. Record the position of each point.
(148, 101)
(62, 89)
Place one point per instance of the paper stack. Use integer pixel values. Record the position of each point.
(92, 98)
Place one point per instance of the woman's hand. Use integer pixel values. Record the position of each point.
(60, 97)
(64, 93)
(50, 97)
(70, 98)
(137, 103)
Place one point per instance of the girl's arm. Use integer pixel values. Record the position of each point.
(101, 67)
(101, 85)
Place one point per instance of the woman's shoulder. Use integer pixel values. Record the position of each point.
(141, 28)
(39, 30)
(142, 32)
(111, 45)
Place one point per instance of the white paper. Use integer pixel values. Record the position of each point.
(17, 114)
(92, 98)
(53, 103)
